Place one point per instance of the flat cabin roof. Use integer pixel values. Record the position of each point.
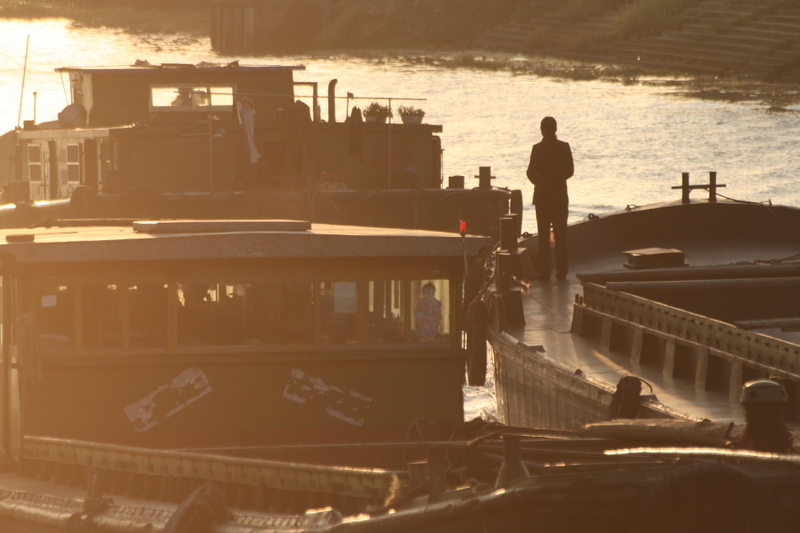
(167, 240)
(172, 68)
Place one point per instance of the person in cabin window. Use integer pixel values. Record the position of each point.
(549, 169)
(428, 313)
(184, 98)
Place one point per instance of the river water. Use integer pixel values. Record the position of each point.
(631, 142)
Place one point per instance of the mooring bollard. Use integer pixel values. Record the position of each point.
(712, 186)
(485, 178)
(685, 187)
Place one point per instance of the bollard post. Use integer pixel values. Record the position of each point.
(484, 178)
(513, 469)
(685, 187)
(712, 186)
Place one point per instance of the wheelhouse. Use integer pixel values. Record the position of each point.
(230, 333)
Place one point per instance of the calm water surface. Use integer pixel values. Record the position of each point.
(630, 142)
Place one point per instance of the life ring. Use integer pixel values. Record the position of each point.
(478, 321)
(709, 497)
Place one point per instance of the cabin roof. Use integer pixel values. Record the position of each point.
(232, 239)
(144, 68)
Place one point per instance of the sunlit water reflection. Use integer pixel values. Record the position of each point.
(630, 142)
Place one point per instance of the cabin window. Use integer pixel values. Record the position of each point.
(431, 310)
(192, 98)
(92, 316)
(55, 312)
(386, 316)
(108, 150)
(277, 312)
(35, 162)
(74, 162)
(338, 311)
(147, 308)
(200, 314)
(101, 316)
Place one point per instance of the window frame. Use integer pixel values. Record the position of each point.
(76, 164)
(35, 163)
(173, 282)
(227, 90)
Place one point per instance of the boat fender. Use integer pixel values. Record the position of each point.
(475, 281)
(478, 322)
(199, 511)
(709, 497)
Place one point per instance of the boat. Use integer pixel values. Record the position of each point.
(255, 376)
(231, 140)
(687, 301)
(127, 345)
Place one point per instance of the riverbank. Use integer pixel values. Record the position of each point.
(444, 33)
(178, 16)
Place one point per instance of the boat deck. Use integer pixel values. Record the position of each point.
(548, 311)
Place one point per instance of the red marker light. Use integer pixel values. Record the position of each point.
(462, 227)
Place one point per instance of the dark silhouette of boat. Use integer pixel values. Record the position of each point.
(232, 141)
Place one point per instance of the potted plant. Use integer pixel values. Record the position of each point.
(411, 115)
(376, 112)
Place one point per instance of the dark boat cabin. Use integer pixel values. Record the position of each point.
(227, 141)
(177, 128)
(230, 333)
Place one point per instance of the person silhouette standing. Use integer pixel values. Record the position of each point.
(549, 169)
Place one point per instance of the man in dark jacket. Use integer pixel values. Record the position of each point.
(549, 169)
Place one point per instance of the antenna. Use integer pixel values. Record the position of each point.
(24, 72)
